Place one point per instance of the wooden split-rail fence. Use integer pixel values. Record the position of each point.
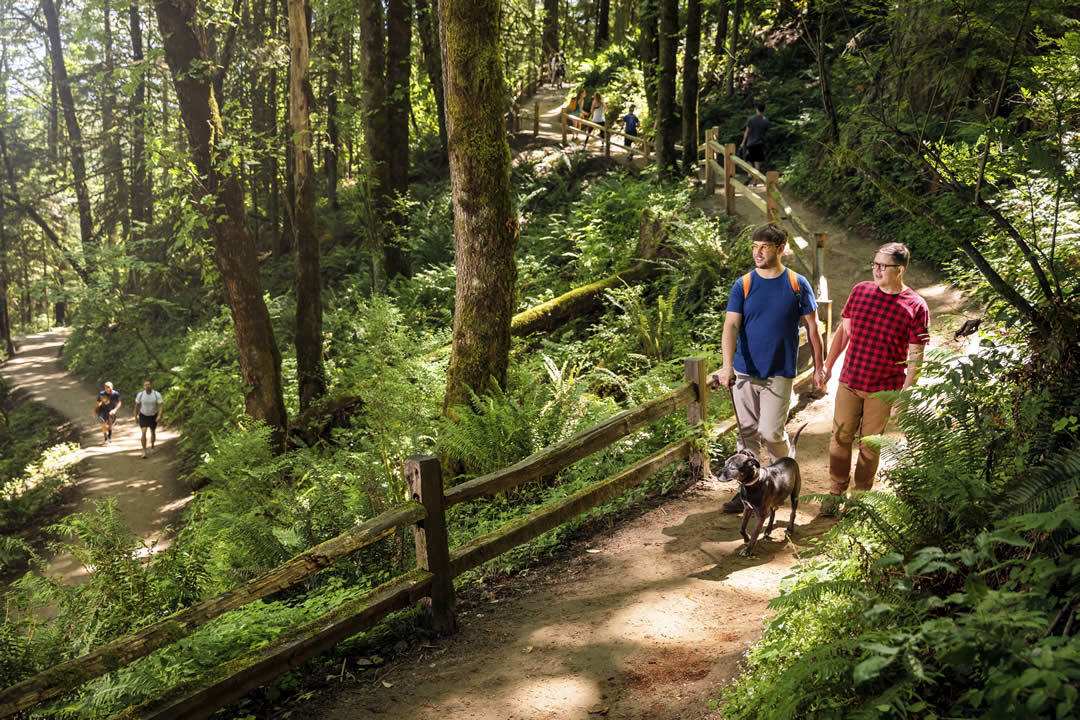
(431, 582)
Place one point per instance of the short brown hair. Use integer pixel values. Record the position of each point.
(770, 233)
(898, 251)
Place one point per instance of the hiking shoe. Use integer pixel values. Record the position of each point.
(829, 508)
(734, 505)
(144, 454)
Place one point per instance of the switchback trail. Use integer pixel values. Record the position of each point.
(646, 620)
(148, 490)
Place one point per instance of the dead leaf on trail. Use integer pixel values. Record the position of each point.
(599, 710)
(529, 649)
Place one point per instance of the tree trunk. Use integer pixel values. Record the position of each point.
(140, 178)
(335, 41)
(623, 9)
(550, 38)
(667, 124)
(690, 85)
(650, 50)
(485, 227)
(5, 321)
(310, 375)
(429, 41)
(234, 245)
(720, 40)
(75, 138)
(112, 156)
(603, 24)
(733, 47)
(398, 110)
(824, 81)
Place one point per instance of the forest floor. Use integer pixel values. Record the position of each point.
(148, 491)
(646, 619)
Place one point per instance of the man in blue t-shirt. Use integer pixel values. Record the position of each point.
(630, 127)
(761, 345)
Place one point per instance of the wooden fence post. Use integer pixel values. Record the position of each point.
(772, 210)
(822, 286)
(424, 476)
(607, 137)
(696, 372)
(536, 118)
(647, 148)
(517, 119)
(710, 158)
(729, 175)
(562, 116)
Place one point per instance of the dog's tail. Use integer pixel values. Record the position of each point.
(795, 439)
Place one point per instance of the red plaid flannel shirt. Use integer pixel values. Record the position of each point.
(882, 327)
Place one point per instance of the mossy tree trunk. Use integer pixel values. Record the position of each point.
(733, 47)
(485, 227)
(667, 122)
(649, 17)
(603, 24)
(550, 37)
(690, 85)
(427, 25)
(189, 60)
(310, 375)
(75, 137)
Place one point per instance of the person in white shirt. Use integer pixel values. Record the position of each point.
(148, 406)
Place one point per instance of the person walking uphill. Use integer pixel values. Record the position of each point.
(884, 329)
(105, 407)
(148, 405)
(753, 139)
(761, 343)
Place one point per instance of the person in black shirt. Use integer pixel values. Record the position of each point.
(753, 139)
(108, 402)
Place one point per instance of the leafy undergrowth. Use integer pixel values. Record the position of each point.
(951, 592)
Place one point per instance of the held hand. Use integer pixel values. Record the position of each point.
(724, 377)
(827, 375)
(820, 379)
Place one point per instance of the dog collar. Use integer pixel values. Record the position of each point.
(757, 476)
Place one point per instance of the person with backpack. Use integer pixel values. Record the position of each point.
(105, 407)
(148, 405)
(761, 344)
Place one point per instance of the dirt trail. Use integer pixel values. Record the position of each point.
(148, 490)
(647, 620)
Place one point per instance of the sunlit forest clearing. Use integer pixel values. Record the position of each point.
(372, 358)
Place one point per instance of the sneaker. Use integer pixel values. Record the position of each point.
(734, 505)
(144, 454)
(829, 508)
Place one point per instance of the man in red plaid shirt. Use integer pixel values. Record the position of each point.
(884, 330)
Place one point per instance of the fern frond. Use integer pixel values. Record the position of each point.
(812, 594)
(1045, 487)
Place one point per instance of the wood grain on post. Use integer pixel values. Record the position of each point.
(536, 118)
(607, 137)
(822, 288)
(424, 477)
(562, 116)
(120, 652)
(696, 373)
(710, 174)
(729, 177)
(219, 686)
(517, 119)
(772, 180)
(558, 456)
(522, 530)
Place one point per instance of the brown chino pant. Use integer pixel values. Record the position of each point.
(854, 412)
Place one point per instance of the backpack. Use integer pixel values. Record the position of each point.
(793, 278)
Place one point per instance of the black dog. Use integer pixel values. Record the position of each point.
(762, 490)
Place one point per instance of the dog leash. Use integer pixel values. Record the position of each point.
(738, 423)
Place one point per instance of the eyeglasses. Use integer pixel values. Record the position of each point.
(881, 266)
(763, 245)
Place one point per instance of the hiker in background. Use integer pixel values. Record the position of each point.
(560, 69)
(596, 115)
(761, 344)
(105, 407)
(630, 127)
(753, 139)
(148, 405)
(574, 108)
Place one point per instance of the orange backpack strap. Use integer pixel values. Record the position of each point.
(793, 278)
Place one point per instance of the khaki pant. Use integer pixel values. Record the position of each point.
(762, 405)
(859, 412)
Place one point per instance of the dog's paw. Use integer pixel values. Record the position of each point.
(744, 551)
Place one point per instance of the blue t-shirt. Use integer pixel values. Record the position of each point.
(769, 335)
(630, 120)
